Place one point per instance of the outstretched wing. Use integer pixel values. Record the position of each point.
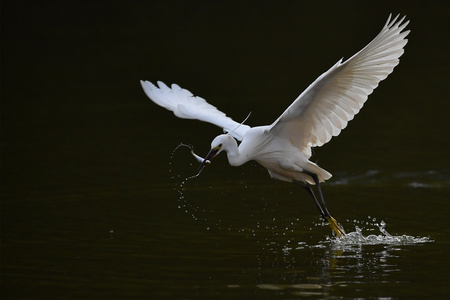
(187, 106)
(333, 99)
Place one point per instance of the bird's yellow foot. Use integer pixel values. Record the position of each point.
(337, 228)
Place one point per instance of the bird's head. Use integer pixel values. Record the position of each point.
(219, 144)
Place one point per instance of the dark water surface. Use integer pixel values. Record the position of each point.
(92, 200)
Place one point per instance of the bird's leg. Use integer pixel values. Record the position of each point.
(311, 192)
(319, 190)
(323, 209)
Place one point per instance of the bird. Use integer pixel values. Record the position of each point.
(316, 115)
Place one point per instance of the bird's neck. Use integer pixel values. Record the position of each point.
(234, 156)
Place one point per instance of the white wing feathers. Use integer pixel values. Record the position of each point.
(333, 99)
(187, 106)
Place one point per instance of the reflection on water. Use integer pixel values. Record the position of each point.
(341, 269)
(325, 270)
(362, 264)
(306, 289)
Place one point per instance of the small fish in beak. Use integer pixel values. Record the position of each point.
(207, 160)
(203, 161)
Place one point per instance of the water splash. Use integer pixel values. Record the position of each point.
(188, 207)
(208, 217)
(384, 238)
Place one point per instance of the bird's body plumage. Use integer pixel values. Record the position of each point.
(318, 114)
(279, 156)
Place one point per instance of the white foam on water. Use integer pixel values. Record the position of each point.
(384, 238)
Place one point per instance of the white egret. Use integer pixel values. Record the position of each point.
(318, 114)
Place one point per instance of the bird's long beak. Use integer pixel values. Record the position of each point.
(207, 160)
